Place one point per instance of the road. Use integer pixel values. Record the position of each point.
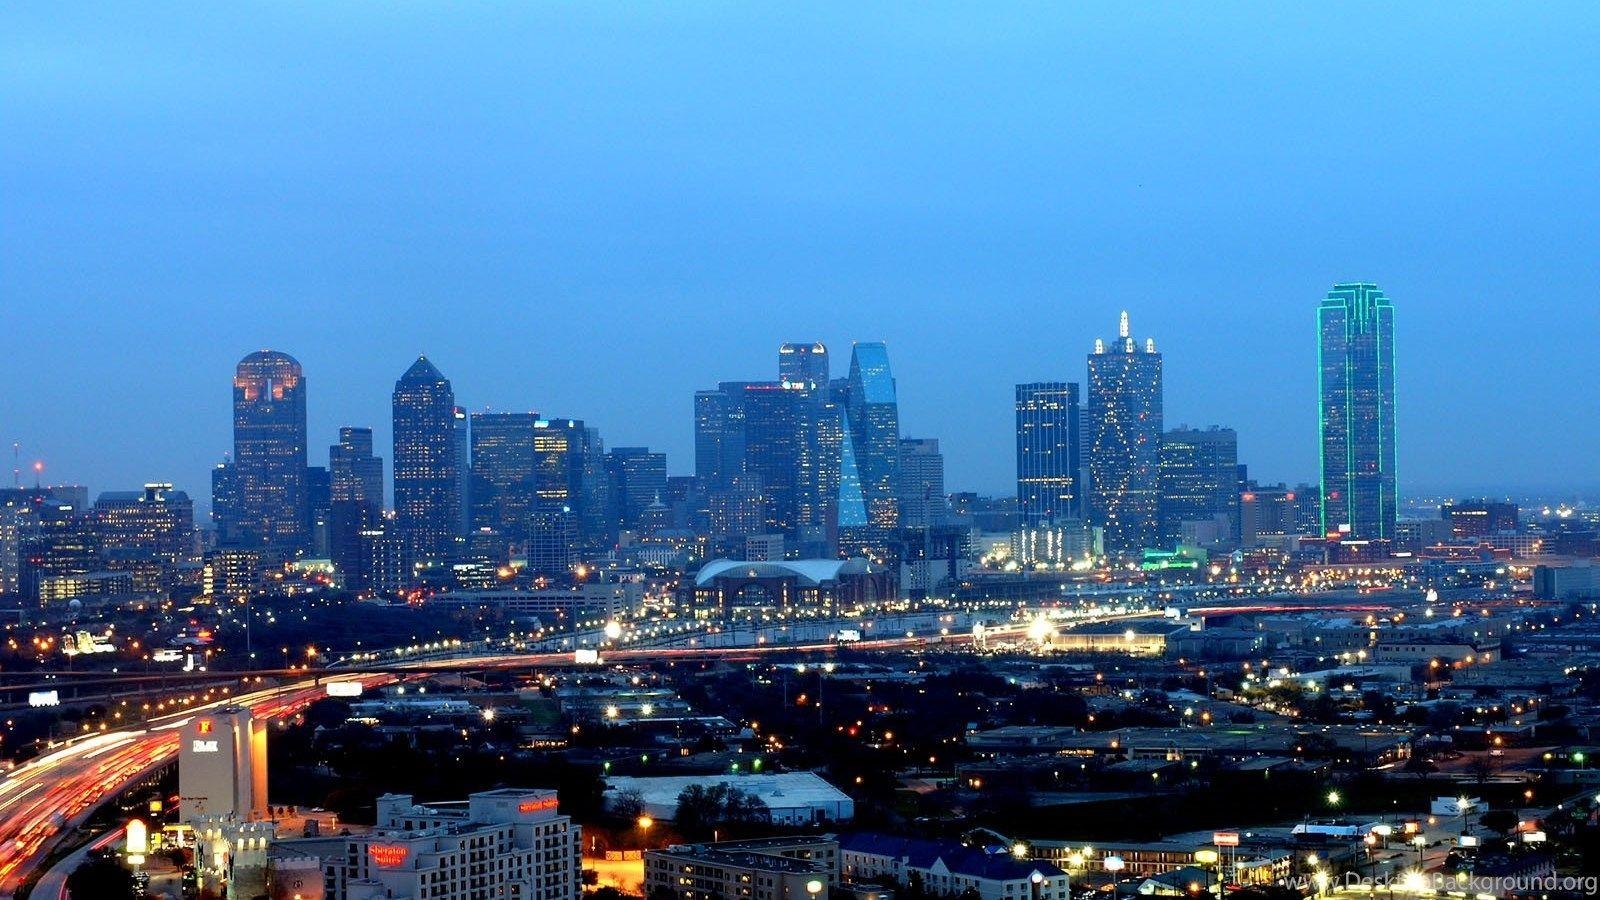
(53, 884)
(52, 794)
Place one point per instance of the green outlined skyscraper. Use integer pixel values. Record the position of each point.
(1355, 383)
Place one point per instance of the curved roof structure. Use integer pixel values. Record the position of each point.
(809, 572)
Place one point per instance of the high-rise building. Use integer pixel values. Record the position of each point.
(264, 502)
(1355, 376)
(803, 365)
(1124, 441)
(222, 765)
(563, 469)
(920, 492)
(1048, 462)
(1199, 480)
(355, 488)
(319, 510)
(427, 489)
(767, 452)
(146, 533)
(1266, 515)
(505, 473)
(636, 478)
(869, 457)
(463, 440)
(718, 437)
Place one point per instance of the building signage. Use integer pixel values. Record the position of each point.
(200, 746)
(388, 856)
(1225, 838)
(44, 698)
(533, 806)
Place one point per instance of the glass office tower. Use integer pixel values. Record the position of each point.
(1355, 380)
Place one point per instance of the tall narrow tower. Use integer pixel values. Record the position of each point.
(427, 490)
(1355, 381)
(870, 457)
(267, 502)
(1124, 441)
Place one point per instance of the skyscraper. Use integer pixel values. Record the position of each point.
(264, 502)
(427, 492)
(636, 478)
(870, 454)
(803, 365)
(920, 492)
(1355, 377)
(463, 439)
(1048, 462)
(355, 488)
(1199, 481)
(505, 485)
(1125, 441)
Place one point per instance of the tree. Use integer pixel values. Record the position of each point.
(100, 879)
(628, 804)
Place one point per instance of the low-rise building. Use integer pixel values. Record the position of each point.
(948, 868)
(707, 872)
(507, 843)
(792, 798)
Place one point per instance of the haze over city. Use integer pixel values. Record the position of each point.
(595, 210)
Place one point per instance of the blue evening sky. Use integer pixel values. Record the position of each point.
(592, 210)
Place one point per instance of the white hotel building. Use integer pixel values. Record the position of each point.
(505, 844)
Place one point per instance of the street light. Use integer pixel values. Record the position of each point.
(1333, 798)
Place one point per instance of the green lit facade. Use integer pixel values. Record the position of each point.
(1355, 372)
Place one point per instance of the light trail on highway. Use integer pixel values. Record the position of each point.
(46, 797)
(43, 799)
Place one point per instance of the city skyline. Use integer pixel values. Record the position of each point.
(681, 458)
(586, 246)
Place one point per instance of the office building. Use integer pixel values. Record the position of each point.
(920, 492)
(319, 510)
(1124, 441)
(427, 476)
(1267, 516)
(222, 765)
(380, 563)
(263, 501)
(1049, 486)
(145, 533)
(803, 366)
(1479, 518)
(355, 486)
(462, 435)
(635, 479)
(1199, 480)
(1355, 378)
(701, 872)
(869, 456)
(505, 473)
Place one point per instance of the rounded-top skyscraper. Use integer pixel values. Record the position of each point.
(261, 497)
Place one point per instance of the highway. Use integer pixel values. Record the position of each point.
(51, 795)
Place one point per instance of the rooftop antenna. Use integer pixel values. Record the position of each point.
(38, 469)
(16, 464)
